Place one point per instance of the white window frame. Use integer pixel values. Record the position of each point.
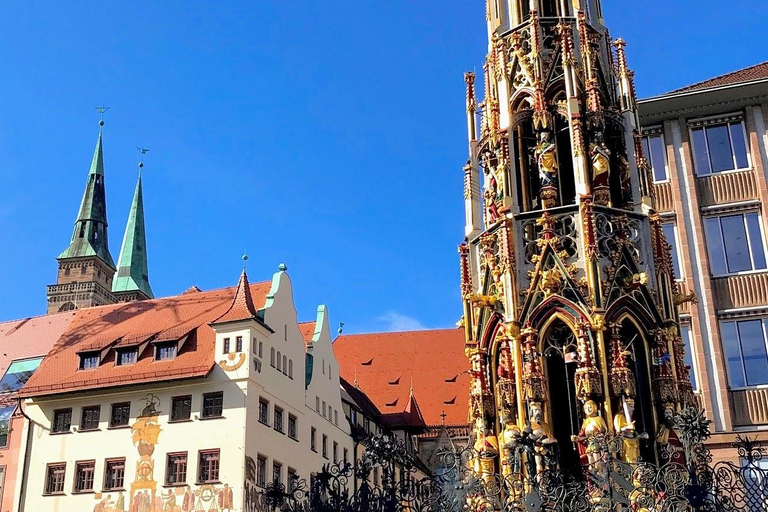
(749, 241)
(727, 119)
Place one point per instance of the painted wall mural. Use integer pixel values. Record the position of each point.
(230, 364)
(144, 495)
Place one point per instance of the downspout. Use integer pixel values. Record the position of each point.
(27, 452)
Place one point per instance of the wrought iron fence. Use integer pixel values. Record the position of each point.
(685, 480)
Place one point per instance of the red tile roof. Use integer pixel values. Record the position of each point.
(184, 316)
(750, 74)
(242, 307)
(31, 337)
(307, 330)
(385, 365)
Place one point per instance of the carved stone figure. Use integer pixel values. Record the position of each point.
(546, 159)
(624, 425)
(601, 168)
(591, 436)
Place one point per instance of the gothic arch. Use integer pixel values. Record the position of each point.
(562, 307)
(629, 307)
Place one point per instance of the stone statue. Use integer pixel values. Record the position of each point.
(541, 434)
(667, 436)
(546, 160)
(591, 436)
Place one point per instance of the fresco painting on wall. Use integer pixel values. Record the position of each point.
(146, 430)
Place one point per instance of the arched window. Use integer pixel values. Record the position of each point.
(272, 356)
(67, 306)
(285, 364)
(559, 352)
(279, 361)
(290, 368)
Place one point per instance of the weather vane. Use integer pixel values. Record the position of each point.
(101, 110)
(143, 152)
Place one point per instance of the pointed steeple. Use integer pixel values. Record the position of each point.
(132, 269)
(89, 237)
(242, 307)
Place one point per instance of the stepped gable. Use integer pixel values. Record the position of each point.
(386, 366)
(184, 318)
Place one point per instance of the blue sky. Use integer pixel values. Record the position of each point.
(327, 135)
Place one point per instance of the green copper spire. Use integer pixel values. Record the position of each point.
(132, 270)
(89, 237)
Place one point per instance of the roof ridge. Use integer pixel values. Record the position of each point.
(387, 333)
(720, 76)
(27, 319)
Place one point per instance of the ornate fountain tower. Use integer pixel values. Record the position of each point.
(570, 314)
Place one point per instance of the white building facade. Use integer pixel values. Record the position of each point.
(198, 403)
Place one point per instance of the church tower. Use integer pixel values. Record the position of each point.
(132, 280)
(570, 308)
(86, 267)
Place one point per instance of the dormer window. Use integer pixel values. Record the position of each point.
(126, 356)
(89, 360)
(226, 346)
(165, 351)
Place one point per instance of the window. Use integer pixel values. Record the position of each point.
(346, 456)
(335, 452)
(290, 368)
(18, 373)
(261, 471)
(261, 348)
(317, 404)
(263, 411)
(226, 346)
(181, 407)
(176, 469)
(325, 409)
(54, 478)
(165, 351)
(114, 474)
(127, 356)
(313, 439)
(239, 344)
(325, 446)
(653, 147)
(685, 331)
(745, 350)
(734, 243)
(670, 233)
(5, 424)
(279, 361)
(89, 420)
(278, 423)
(89, 360)
(293, 479)
(62, 420)
(257, 365)
(84, 476)
(272, 357)
(292, 426)
(120, 415)
(213, 404)
(208, 466)
(277, 473)
(336, 417)
(285, 364)
(719, 147)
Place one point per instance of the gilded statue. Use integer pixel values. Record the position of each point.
(624, 425)
(668, 438)
(590, 438)
(541, 434)
(601, 168)
(546, 159)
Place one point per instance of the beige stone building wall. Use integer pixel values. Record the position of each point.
(717, 223)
